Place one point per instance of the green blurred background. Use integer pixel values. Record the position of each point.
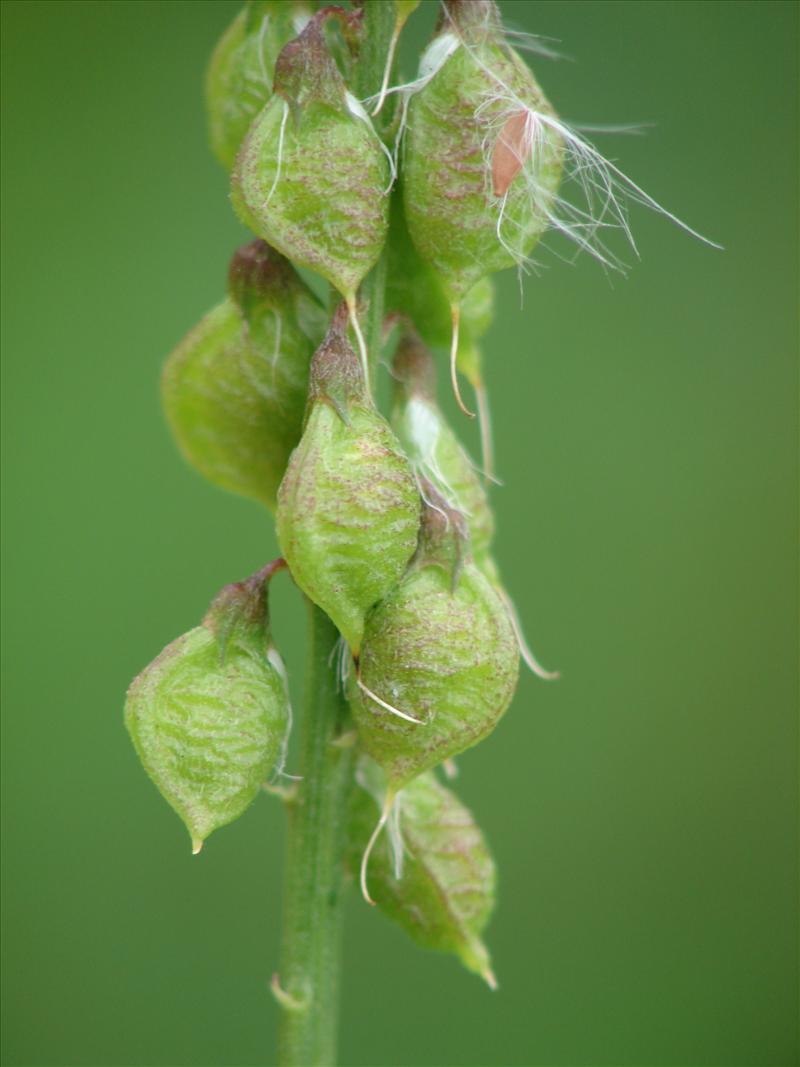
(643, 810)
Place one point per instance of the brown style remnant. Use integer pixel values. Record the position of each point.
(511, 152)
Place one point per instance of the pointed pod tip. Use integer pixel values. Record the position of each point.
(197, 845)
(258, 276)
(475, 957)
(337, 374)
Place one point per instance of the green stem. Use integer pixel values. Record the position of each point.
(379, 22)
(308, 983)
(307, 986)
(374, 292)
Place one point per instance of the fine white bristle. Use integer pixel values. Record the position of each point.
(362, 344)
(396, 837)
(604, 190)
(485, 424)
(422, 470)
(277, 663)
(387, 69)
(455, 314)
(387, 808)
(356, 108)
(533, 43)
(433, 59)
(387, 707)
(531, 662)
(281, 135)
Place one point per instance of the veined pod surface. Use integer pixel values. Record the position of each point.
(348, 506)
(439, 648)
(443, 894)
(208, 717)
(312, 175)
(234, 390)
(239, 75)
(479, 174)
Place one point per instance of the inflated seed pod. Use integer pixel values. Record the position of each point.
(463, 123)
(437, 455)
(439, 650)
(312, 175)
(209, 716)
(442, 892)
(234, 390)
(239, 75)
(481, 166)
(348, 506)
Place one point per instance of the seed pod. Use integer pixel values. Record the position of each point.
(348, 507)
(208, 717)
(439, 648)
(443, 893)
(239, 76)
(234, 389)
(467, 213)
(312, 175)
(481, 169)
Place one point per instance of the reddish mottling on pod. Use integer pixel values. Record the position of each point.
(348, 506)
(239, 76)
(209, 717)
(438, 881)
(439, 660)
(312, 174)
(234, 390)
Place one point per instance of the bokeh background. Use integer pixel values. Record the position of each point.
(643, 811)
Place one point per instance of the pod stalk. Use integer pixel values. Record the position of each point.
(455, 313)
(362, 344)
(376, 833)
(485, 425)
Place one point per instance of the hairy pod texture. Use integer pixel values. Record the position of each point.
(348, 506)
(437, 879)
(312, 175)
(464, 224)
(239, 75)
(209, 715)
(440, 647)
(234, 390)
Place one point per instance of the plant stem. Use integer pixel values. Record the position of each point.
(378, 29)
(313, 903)
(307, 987)
(374, 291)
